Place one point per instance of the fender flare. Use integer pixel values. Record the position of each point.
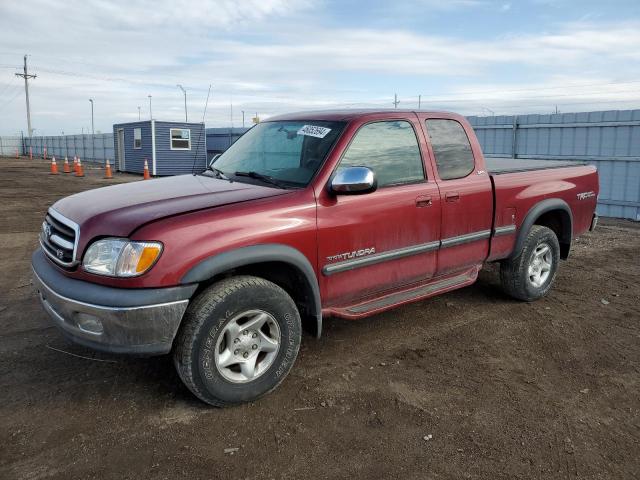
(272, 252)
(534, 213)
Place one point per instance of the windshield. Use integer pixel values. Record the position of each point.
(284, 153)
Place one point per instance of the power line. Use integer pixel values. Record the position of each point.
(535, 89)
(8, 102)
(9, 85)
(532, 89)
(486, 99)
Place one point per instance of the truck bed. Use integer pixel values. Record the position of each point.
(497, 166)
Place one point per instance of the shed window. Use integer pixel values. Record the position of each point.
(180, 139)
(137, 138)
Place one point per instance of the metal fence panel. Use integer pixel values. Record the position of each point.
(608, 139)
(90, 148)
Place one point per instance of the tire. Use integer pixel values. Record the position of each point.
(217, 341)
(515, 273)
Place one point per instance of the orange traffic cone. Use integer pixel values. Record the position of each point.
(54, 166)
(146, 175)
(107, 170)
(79, 171)
(66, 168)
(75, 164)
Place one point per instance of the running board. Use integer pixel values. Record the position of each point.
(408, 295)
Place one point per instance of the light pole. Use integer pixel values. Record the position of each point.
(92, 131)
(138, 112)
(185, 101)
(242, 118)
(150, 112)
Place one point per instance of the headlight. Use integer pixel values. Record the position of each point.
(119, 257)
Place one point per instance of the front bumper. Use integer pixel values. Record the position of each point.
(139, 321)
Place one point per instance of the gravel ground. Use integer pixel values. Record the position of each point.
(467, 385)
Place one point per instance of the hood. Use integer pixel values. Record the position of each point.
(119, 209)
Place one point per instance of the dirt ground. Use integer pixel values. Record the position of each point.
(467, 385)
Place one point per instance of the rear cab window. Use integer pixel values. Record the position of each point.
(451, 148)
(389, 148)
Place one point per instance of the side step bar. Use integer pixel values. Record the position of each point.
(408, 295)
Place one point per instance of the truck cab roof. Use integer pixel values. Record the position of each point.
(351, 114)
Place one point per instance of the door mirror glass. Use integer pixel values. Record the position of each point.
(353, 181)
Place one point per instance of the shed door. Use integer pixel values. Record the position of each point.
(120, 150)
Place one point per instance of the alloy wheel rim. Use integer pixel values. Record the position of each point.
(247, 346)
(540, 265)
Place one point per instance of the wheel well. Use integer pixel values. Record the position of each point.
(560, 222)
(287, 277)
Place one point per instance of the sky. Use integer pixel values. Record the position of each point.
(475, 57)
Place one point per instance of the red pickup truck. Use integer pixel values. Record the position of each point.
(306, 216)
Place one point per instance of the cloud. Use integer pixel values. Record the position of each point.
(272, 56)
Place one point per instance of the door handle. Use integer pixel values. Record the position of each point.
(452, 196)
(423, 201)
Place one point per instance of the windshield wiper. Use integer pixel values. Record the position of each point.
(218, 173)
(260, 176)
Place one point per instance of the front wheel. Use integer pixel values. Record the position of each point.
(238, 341)
(531, 274)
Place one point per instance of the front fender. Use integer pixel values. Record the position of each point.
(245, 256)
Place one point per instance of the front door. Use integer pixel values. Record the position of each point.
(121, 159)
(466, 196)
(388, 238)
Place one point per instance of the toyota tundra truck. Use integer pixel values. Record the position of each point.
(307, 216)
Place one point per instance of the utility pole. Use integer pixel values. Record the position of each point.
(138, 112)
(92, 130)
(242, 118)
(395, 100)
(26, 77)
(150, 112)
(419, 101)
(185, 101)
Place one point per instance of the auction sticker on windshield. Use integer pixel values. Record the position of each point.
(314, 131)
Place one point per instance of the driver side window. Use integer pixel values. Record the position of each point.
(390, 149)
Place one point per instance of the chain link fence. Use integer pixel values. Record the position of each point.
(9, 145)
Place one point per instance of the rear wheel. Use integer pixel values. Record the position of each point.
(531, 274)
(238, 340)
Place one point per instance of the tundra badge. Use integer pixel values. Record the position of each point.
(585, 195)
(354, 254)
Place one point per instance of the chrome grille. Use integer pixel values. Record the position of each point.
(59, 238)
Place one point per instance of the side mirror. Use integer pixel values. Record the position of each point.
(353, 181)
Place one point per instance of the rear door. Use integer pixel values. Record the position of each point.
(466, 195)
(388, 238)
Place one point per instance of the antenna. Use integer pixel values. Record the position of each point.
(204, 113)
